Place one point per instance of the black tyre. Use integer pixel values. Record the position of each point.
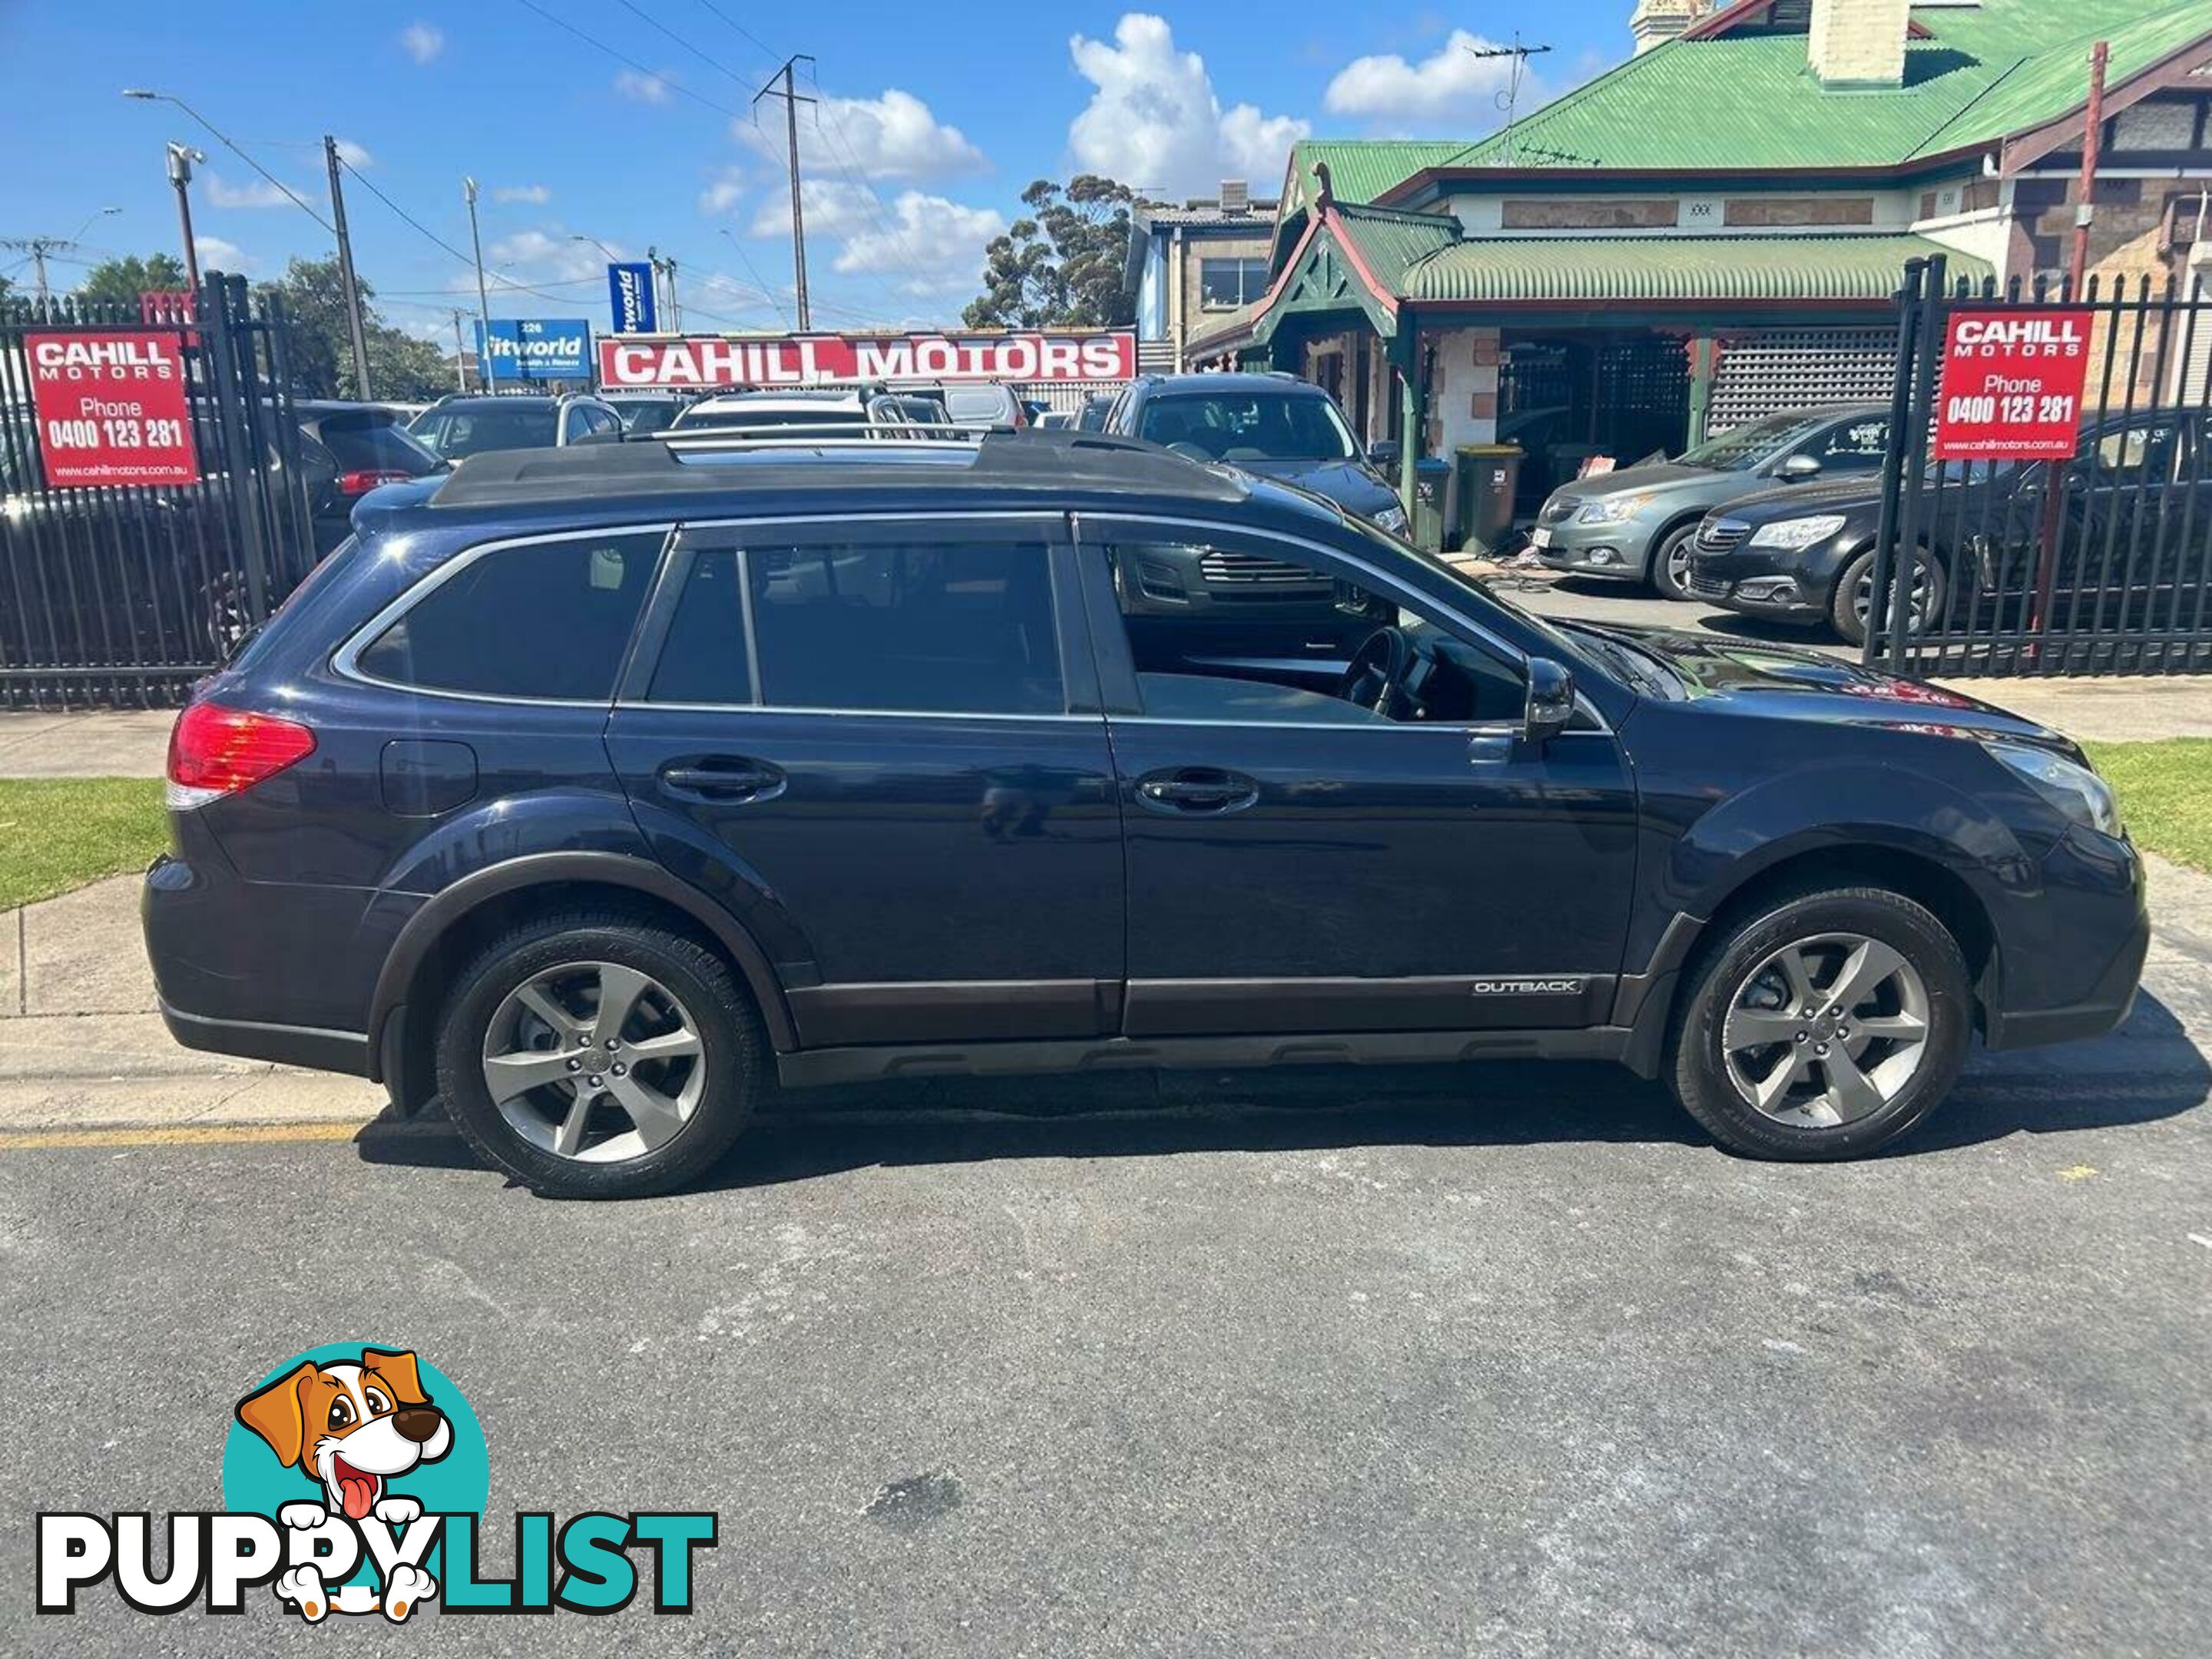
(591, 1054)
(1670, 563)
(1847, 605)
(1823, 1026)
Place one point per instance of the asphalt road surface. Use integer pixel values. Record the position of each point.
(1499, 1361)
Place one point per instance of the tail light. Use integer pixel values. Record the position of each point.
(215, 751)
(360, 483)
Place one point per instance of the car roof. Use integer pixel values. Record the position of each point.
(1073, 470)
(812, 397)
(1168, 385)
(501, 400)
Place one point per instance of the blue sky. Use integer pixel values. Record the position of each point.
(932, 119)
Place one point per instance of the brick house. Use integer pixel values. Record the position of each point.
(1714, 229)
(1191, 266)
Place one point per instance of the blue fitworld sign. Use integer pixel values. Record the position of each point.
(536, 349)
(629, 287)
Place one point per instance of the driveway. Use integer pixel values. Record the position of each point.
(1414, 1362)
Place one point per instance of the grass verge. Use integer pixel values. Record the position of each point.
(60, 833)
(2165, 794)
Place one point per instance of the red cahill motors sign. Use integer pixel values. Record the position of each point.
(2011, 382)
(111, 408)
(711, 361)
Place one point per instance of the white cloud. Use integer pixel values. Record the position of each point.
(255, 193)
(422, 41)
(355, 155)
(1155, 122)
(536, 195)
(926, 244)
(538, 255)
(641, 88)
(725, 193)
(893, 137)
(216, 254)
(1451, 92)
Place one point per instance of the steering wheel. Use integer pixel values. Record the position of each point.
(1380, 675)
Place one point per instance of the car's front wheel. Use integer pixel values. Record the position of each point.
(1852, 603)
(596, 1055)
(1670, 563)
(1822, 1025)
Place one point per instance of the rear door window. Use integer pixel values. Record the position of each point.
(372, 443)
(950, 626)
(547, 620)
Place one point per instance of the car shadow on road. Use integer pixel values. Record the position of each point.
(2149, 1070)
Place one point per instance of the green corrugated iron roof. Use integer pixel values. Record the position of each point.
(1361, 169)
(1603, 270)
(1391, 242)
(1748, 102)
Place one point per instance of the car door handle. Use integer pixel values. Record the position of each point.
(731, 780)
(1196, 790)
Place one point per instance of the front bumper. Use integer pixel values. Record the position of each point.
(1614, 550)
(2076, 975)
(1795, 583)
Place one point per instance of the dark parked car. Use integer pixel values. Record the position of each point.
(348, 450)
(647, 411)
(1638, 524)
(1271, 425)
(592, 791)
(1807, 555)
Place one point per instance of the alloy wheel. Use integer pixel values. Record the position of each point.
(1918, 603)
(595, 1061)
(1826, 1031)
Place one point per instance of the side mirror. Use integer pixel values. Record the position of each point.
(1551, 701)
(1382, 453)
(1797, 469)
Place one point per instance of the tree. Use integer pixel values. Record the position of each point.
(320, 343)
(120, 281)
(1062, 267)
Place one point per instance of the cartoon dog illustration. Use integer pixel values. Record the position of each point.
(352, 1429)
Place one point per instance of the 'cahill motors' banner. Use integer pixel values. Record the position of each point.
(704, 360)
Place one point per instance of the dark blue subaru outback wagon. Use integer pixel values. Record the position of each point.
(600, 791)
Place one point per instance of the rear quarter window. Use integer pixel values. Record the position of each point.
(540, 621)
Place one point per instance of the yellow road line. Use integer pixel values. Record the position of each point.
(183, 1134)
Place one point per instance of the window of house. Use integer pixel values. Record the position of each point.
(537, 620)
(950, 626)
(1225, 284)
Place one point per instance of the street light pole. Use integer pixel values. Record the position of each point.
(487, 376)
(345, 271)
(181, 157)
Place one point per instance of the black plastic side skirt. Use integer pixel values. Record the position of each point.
(815, 1067)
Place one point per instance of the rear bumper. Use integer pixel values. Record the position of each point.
(284, 1045)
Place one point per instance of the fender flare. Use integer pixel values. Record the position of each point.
(436, 919)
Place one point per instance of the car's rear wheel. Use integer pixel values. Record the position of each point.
(1849, 607)
(1670, 563)
(1823, 1026)
(596, 1056)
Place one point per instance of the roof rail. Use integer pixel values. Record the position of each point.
(712, 434)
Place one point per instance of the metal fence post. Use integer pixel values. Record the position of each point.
(1927, 363)
(1909, 295)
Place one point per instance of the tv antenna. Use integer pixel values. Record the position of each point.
(1510, 98)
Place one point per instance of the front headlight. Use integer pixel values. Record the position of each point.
(1392, 519)
(1611, 510)
(2077, 791)
(1797, 533)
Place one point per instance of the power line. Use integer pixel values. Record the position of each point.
(741, 28)
(718, 68)
(433, 236)
(624, 57)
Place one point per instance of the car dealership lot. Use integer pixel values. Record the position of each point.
(1390, 1361)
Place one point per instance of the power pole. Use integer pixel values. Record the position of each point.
(2085, 193)
(38, 247)
(675, 309)
(460, 354)
(792, 100)
(345, 272)
(487, 377)
(181, 157)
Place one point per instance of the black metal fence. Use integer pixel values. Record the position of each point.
(2100, 563)
(126, 594)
